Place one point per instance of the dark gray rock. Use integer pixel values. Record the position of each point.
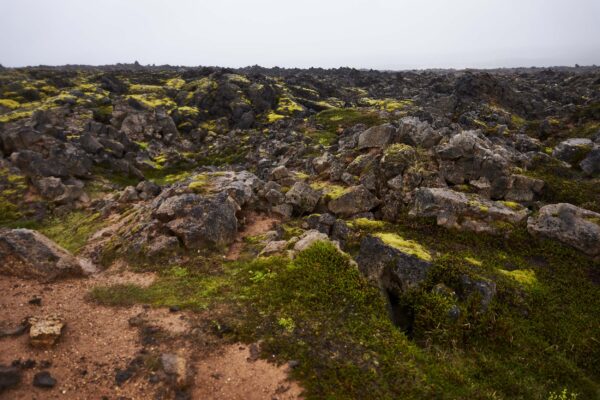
(354, 200)
(29, 254)
(9, 377)
(302, 197)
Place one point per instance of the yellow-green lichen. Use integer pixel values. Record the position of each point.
(406, 246)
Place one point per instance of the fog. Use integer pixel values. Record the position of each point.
(326, 33)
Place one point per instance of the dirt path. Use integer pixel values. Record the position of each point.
(98, 341)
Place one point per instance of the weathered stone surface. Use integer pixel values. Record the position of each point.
(308, 238)
(390, 268)
(577, 227)
(175, 366)
(276, 246)
(591, 163)
(43, 379)
(415, 132)
(29, 254)
(572, 150)
(45, 331)
(302, 197)
(354, 200)
(466, 212)
(376, 136)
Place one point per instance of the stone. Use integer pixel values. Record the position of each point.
(29, 254)
(572, 150)
(45, 331)
(9, 377)
(302, 197)
(591, 163)
(522, 188)
(569, 224)
(376, 136)
(43, 379)
(276, 246)
(413, 131)
(354, 200)
(175, 366)
(279, 173)
(466, 211)
(308, 238)
(389, 267)
(129, 195)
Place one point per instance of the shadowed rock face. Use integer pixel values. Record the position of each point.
(29, 254)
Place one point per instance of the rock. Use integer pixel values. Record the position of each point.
(283, 210)
(469, 156)
(485, 288)
(9, 377)
(523, 188)
(147, 190)
(175, 366)
(415, 132)
(396, 158)
(591, 163)
(354, 200)
(279, 173)
(210, 222)
(466, 211)
(308, 238)
(376, 136)
(162, 245)
(90, 144)
(276, 246)
(389, 267)
(45, 331)
(29, 254)
(572, 150)
(569, 224)
(128, 195)
(302, 197)
(43, 379)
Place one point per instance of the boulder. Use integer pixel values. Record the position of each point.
(396, 158)
(591, 163)
(466, 211)
(43, 379)
(523, 188)
(29, 254)
(415, 132)
(276, 246)
(308, 238)
(376, 136)
(389, 267)
(354, 200)
(302, 197)
(573, 150)
(569, 224)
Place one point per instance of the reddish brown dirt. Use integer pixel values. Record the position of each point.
(230, 374)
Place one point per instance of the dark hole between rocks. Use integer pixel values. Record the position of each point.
(401, 315)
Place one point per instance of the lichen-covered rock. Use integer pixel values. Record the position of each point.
(354, 200)
(308, 238)
(466, 211)
(573, 150)
(389, 267)
(29, 254)
(45, 331)
(569, 224)
(376, 136)
(302, 197)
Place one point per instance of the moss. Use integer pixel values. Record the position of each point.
(73, 230)
(153, 101)
(330, 190)
(15, 115)
(512, 204)
(273, 117)
(188, 111)
(142, 89)
(369, 225)
(287, 106)
(338, 119)
(175, 83)
(406, 246)
(10, 104)
(200, 183)
(389, 105)
(525, 277)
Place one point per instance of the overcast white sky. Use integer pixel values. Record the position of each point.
(382, 34)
